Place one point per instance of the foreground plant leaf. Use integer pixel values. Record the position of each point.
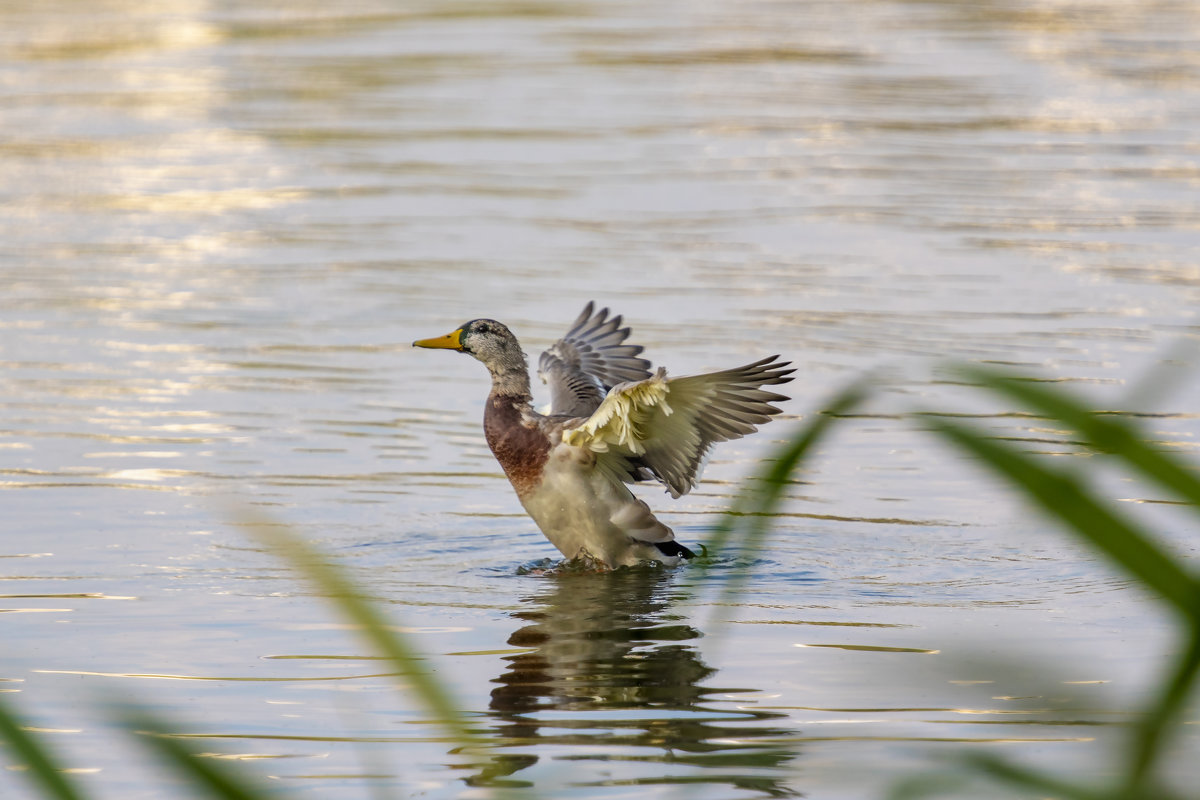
(1102, 432)
(332, 583)
(1065, 497)
(202, 774)
(41, 766)
(745, 526)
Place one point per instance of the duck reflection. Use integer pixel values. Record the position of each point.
(612, 676)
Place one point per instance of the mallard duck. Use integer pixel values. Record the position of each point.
(611, 422)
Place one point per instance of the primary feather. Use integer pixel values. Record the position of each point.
(582, 366)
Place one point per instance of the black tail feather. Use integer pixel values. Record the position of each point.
(674, 548)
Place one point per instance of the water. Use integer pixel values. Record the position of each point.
(222, 226)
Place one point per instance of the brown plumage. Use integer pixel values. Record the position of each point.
(519, 445)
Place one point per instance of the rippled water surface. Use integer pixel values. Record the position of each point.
(222, 225)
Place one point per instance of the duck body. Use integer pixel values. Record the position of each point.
(611, 423)
(580, 509)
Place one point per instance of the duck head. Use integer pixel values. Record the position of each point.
(488, 341)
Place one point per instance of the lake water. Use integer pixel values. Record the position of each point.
(222, 225)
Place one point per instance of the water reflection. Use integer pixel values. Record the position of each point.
(612, 673)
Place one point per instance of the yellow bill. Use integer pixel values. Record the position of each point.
(451, 341)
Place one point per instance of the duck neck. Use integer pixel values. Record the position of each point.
(510, 379)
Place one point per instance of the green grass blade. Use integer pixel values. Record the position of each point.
(331, 581)
(945, 782)
(1024, 778)
(1102, 432)
(41, 766)
(1063, 496)
(1154, 728)
(201, 773)
(764, 490)
(747, 518)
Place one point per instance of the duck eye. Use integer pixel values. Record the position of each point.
(483, 327)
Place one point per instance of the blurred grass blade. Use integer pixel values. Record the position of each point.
(1102, 432)
(1063, 496)
(1024, 778)
(332, 583)
(202, 774)
(761, 496)
(41, 766)
(748, 516)
(1154, 728)
(942, 783)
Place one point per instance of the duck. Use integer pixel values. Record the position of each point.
(611, 422)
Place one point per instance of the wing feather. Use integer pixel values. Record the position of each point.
(588, 361)
(668, 425)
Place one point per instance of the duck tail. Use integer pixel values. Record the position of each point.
(674, 548)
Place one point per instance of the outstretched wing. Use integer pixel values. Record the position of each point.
(668, 425)
(592, 358)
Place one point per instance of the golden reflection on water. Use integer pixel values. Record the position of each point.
(132, 29)
(151, 149)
